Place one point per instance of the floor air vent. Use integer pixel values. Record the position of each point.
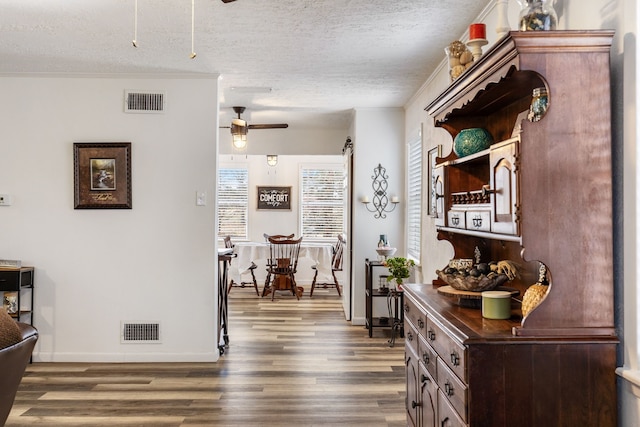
(143, 102)
(140, 332)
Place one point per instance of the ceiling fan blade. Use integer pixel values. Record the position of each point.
(227, 1)
(270, 126)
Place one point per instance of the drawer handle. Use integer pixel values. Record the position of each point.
(445, 422)
(406, 307)
(455, 359)
(431, 335)
(424, 378)
(425, 358)
(420, 323)
(410, 336)
(448, 388)
(477, 221)
(455, 221)
(414, 404)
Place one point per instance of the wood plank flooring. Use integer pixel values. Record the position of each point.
(289, 363)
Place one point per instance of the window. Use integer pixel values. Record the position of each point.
(233, 202)
(414, 198)
(322, 201)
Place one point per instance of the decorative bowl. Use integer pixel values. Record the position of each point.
(471, 283)
(470, 141)
(386, 252)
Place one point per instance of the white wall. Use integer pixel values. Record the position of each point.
(96, 268)
(621, 16)
(378, 138)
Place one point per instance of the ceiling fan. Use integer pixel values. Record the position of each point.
(227, 1)
(241, 123)
(239, 128)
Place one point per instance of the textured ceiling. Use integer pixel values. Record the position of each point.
(305, 62)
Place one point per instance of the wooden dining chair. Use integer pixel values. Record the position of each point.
(229, 244)
(283, 254)
(336, 265)
(277, 236)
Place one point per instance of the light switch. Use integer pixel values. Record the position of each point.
(201, 198)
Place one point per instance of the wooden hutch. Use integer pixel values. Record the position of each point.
(548, 199)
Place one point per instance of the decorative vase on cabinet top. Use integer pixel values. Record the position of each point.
(472, 140)
(537, 15)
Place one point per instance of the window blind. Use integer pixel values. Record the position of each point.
(233, 202)
(414, 199)
(322, 201)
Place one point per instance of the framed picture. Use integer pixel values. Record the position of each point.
(102, 175)
(270, 198)
(432, 155)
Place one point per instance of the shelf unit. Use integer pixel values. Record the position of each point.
(372, 321)
(19, 281)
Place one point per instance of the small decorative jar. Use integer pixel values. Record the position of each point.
(537, 15)
(539, 104)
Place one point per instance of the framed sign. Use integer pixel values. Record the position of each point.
(102, 175)
(432, 197)
(278, 198)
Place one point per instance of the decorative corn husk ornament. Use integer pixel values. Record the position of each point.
(536, 292)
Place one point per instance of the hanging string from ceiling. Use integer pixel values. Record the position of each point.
(193, 20)
(135, 24)
(134, 42)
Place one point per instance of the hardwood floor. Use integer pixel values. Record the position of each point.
(289, 363)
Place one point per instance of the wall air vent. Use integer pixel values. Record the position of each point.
(140, 332)
(137, 101)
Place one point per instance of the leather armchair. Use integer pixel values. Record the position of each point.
(13, 362)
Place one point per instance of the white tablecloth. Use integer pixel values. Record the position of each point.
(319, 253)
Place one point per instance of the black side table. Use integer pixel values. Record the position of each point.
(395, 321)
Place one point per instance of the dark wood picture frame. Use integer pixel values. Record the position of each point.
(274, 198)
(102, 175)
(432, 155)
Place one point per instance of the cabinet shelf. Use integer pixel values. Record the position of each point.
(481, 234)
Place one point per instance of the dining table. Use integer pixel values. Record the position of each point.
(319, 253)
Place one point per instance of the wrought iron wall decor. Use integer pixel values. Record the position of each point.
(380, 200)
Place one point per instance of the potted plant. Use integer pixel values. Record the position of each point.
(399, 267)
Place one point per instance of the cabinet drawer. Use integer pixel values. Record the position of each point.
(456, 219)
(447, 416)
(428, 356)
(454, 389)
(411, 336)
(452, 352)
(414, 315)
(9, 280)
(479, 220)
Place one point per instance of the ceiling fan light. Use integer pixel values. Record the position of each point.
(240, 141)
(272, 159)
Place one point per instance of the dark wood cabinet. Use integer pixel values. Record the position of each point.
(540, 195)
